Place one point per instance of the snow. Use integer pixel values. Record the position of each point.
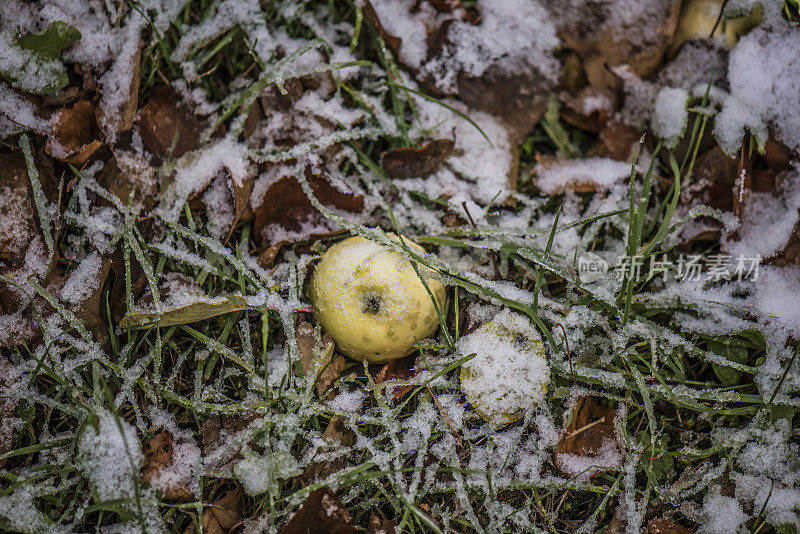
(512, 35)
(32, 72)
(508, 377)
(475, 171)
(509, 373)
(597, 173)
(348, 401)
(768, 219)
(18, 114)
(670, 115)
(763, 71)
(259, 474)
(721, 515)
(197, 169)
(584, 466)
(111, 457)
(84, 281)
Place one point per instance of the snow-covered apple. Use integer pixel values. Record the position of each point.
(371, 300)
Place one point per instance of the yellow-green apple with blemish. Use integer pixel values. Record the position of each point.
(373, 303)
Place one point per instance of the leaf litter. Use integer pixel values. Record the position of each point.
(184, 167)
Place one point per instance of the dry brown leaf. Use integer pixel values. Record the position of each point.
(167, 125)
(127, 172)
(590, 436)
(377, 525)
(663, 525)
(392, 41)
(330, 364)
(322, 512)
(336, 434)
(88, 310)
(23, 252)
(115, 118)
(712, 181)
(118, 300)
(604, 41)
(400, 369)
(519, 97)
(213, 429)
(286, 206)
(417, 162)
(589, 108)
(8, 406)
(159, 456)
(75, 134)
(235, 193)
(18, 224)
(618, 141)
(273, 100)
(222, 516)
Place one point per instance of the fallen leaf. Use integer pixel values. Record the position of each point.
(127, 173)
(663, 525)
(392, 41)
(8, 406)
(589, 109)
(377, 525)
(336, 434)
(589, 445)
(330, 365)
(272, 100)
(46, 46)
(199, 308)
(222, 516)
(286, 209)
(23, 252)
(51, 42)
(18, 222)
(618, 141)
(322, 512)
(604, 40)
(214, 429)
(167, 125)
(117, 108)
(88, 309)
(417, 162)
(159, 457)
(138, 284)
(712, 181)
(518, 97)
(400, 369)
(75, 135)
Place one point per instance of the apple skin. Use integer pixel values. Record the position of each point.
(371, 301)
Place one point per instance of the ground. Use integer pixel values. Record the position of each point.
(608, 191)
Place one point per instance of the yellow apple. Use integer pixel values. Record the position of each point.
(509, 373)
(370, 299)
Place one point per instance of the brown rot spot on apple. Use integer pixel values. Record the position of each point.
(371, 302)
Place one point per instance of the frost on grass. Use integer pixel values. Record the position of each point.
(235, 376)
(111, 457)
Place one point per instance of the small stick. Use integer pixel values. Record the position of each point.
(468, 214)
(586, 427)
(446, 417)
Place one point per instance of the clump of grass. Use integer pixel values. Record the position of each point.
(634, 353)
